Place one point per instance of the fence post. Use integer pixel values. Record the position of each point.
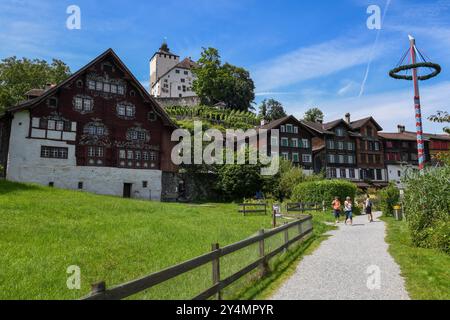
(286, 237)
(300, 228)
(216, 269)
(264, 268)
(274, 218)
(244, 210)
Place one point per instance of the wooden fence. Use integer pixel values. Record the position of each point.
(303, 207)
(301, 227)
(246, 208)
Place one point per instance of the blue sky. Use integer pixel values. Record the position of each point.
(302, 53)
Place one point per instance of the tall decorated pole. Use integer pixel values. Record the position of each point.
(415, 77)
(419, 125)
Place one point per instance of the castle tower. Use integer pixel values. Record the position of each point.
(161, 62)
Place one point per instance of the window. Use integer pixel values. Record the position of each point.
(305, 143)
(121, 110)
(126, 110)
(330, 144)
(80, 185)
(52, 102)
(331, 173)
(283, 129)
(83, 104)
(341, 158)
(113, 88)
(95, 129)
(96, 152)
(130, 155)
(130, 110)
(377, 146)
(91, 85)
(294, 143)
(177, 71)
(146, 156)
(331, 158)
(54, 152)
(107, 87)
(284, 142)
(144, 184)
(121, 90)
(152, 116)
(99, 86)
(289, 128)
(59, 125)
(343, 173)
(295, 157)
(51, 125)
(285, 155)
(379, 174)
(295, 130)
(340, 132)
(51, 184)
(350, 146)
(307, 158)
(351, 173)
(340, 145)
(351, 159)
(183, 80)
(122, 154)
(274, 141)
(80, 84)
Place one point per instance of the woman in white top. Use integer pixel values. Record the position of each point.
(348, 207)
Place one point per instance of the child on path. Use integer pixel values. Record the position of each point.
(336, 208)
(348, 207)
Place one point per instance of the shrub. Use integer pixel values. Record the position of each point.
(324, 190)
(389, 197)
(427, 208)
(239, 181)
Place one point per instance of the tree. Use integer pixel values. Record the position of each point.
(17, 76)
(271, 110)
(216, 82)
(441, 117)
(314, 115)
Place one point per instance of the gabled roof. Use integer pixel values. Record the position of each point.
(110, 52)
(335, 123)
(276, 123)
(406, 136)
(317, 127)
(361, 122)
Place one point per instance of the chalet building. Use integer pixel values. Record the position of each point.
(401, 154)
(369, 151)
(98, 131)
(170, 77)
(334, 148)
(294, 143)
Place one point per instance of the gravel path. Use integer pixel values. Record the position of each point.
(342, 268)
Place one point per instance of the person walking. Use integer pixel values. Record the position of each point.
(368, 208)
(348, 208)
(336, 208)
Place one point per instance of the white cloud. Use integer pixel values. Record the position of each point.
(311, 62)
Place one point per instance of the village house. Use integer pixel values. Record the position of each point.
(294, 141)
(170, 78)
(98, 131)
(401, 154)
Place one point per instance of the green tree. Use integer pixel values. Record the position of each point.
(314, 115)
(218, 82)
(271, 110)
(17, 76)
(441, 117)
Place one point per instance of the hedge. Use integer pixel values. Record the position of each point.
(323, 190)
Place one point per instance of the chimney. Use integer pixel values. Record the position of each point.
(264, 122)
(401, 128)
(348, 118)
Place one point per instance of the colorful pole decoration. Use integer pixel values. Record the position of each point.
(415, 66)
(419, 126)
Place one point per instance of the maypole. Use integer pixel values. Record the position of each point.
(418, 108)
(415, 55)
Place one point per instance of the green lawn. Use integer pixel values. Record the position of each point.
(43, 231)
(426, 271)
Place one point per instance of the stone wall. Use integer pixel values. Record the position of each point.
(182, 102)
(185, 187)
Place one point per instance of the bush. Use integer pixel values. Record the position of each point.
(427, 208)
(239, 181)
(324, 190)
(389, 197)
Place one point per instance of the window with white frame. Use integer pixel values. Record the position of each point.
(54, 152)
(340, 145)
(285, 155)
(330, 144)
(307, 158)
(83, 104)
(289, 128)
(284, 142)
(274, 141)
(294, 143)
(341, 158)
(295, 157)
(305, 143)
(295, 129)
(331, 158)
(283, 128)
(340, 132)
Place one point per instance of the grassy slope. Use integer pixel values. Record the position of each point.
(426, 271)
(43, 231)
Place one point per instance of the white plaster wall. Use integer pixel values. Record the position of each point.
(160, 65)
(26, 165)
(174, 80)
